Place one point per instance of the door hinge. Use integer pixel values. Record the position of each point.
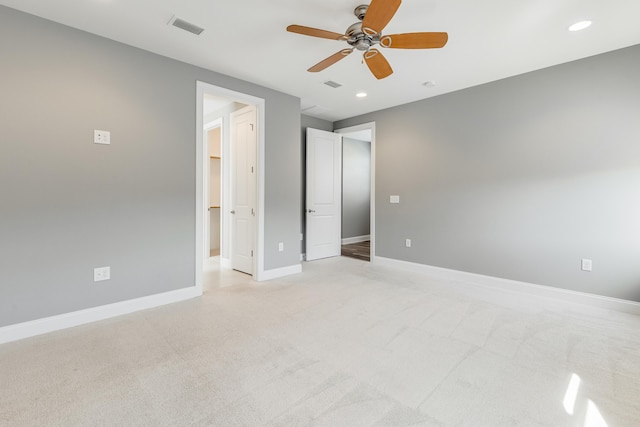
(251, 126)
(253, 212)
(251, 169)
(251, 253)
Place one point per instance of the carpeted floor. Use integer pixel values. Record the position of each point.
(344, 343)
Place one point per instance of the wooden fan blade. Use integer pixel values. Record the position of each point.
(415, 40)
(314, 32)
(330, 60)
(379, 14)
(378, 64)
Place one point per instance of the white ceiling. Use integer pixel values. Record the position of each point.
(214, 103)
(488, 40)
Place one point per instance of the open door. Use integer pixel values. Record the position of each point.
(243, 188)
(324, 194)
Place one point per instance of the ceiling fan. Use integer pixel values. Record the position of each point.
(367, 33)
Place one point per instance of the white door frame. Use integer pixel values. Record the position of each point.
(372, 208)
(201, 89)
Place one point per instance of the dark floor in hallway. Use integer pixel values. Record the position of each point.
(360, 250)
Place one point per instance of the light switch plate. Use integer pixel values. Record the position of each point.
(394, 199)
(587, 265)
(101, 137)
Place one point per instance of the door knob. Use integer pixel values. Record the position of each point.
(311, 211)
(233, 212)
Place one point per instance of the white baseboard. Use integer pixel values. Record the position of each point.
(68, 320)
(357, 239)
(279, 272)
(566, 295)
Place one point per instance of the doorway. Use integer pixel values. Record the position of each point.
(318, 222)
(356, 195)
(215, 107)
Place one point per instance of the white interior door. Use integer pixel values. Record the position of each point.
(324, 194)
(243, 188)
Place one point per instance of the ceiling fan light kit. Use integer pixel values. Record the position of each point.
(367, 33)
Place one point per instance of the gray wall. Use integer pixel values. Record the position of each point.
(69, 205)
(520, 178)
(356, 187)
(315, 123)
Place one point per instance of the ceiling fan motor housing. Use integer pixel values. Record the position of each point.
(359, 39)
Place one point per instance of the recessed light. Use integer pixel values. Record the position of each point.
(361, 94)
(429, 84)
(580, 26)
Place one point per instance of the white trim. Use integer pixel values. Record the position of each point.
(225, 262)
(372, 209)
(509, 285)
(280, 272)
(259, 103)
(201, 196)
(225, 200)
(356, 239)
(68, 320)
(261, 186)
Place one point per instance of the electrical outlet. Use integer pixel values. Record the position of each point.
(587, 265)
(101, 137)
(101, 273)
(407, 243)
(394, 199)
(280, 247)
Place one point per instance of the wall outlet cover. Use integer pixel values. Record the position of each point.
(101, 273)
(394, 199)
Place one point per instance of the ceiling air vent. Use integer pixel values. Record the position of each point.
(332, 84)
(187, 26)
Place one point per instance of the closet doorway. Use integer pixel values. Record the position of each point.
(230, 181)
(219, 165)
